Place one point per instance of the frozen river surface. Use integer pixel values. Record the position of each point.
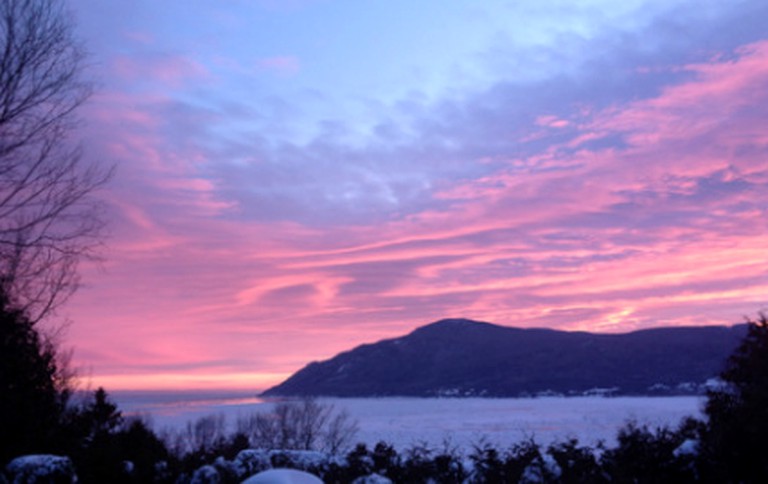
(433, 421)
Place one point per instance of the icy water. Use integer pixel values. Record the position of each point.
(461, 422)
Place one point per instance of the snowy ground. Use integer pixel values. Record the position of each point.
(407, 421)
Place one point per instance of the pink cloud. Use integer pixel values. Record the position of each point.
(664, 226)
(551, 121)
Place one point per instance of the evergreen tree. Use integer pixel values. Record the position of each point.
(734, 440)
(31, 402)
(102, 414)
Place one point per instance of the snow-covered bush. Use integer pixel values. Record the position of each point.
(41, 469)
(206, 475)
(252, 461)
(306, 460)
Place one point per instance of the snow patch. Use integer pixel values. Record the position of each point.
(688, 447)
(717, 385)
(283, 476)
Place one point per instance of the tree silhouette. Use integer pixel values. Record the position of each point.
(48, 218)
(102, 414)
(737, 430)
(31, 400)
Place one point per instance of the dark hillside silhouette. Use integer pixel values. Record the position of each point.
(459, 357)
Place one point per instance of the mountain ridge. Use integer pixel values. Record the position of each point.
(462, 357)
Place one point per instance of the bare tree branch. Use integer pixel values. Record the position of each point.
(300, 425)
(49, 219)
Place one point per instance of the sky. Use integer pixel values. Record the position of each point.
(295, 178)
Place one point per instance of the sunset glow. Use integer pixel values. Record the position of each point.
(297, 178)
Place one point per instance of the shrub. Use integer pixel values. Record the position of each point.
(645, 455)
(577, 464)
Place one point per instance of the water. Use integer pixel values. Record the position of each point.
(460, 422)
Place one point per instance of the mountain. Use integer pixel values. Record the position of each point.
(463, 358)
